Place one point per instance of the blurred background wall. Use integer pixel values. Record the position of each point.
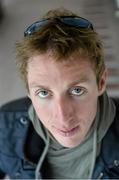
(20, 13)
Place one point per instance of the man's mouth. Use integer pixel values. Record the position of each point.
(67, 133)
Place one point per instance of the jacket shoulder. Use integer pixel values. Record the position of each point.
(14, 123)
(107, 163)
(16, 140)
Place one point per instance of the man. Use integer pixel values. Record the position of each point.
(69, 127)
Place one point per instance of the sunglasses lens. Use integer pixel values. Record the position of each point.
(78, 22)
(34, 27)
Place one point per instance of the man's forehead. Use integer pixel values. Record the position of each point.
(44, 70)
(44, 61)
(51, 56)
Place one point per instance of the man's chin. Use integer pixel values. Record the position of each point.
(69, 143)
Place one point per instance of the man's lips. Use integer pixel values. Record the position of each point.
(67, 133)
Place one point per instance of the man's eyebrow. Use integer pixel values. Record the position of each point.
(35, 85)
(81, 80)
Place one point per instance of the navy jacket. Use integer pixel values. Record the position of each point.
(21, 146)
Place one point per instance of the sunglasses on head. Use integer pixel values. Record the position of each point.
(68, 20)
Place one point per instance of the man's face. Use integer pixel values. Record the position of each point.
(64, 95)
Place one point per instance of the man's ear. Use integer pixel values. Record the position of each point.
(102, 82)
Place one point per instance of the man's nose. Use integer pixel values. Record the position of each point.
(64, 110)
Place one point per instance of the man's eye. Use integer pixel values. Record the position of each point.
(43, 93)
(77, 91)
